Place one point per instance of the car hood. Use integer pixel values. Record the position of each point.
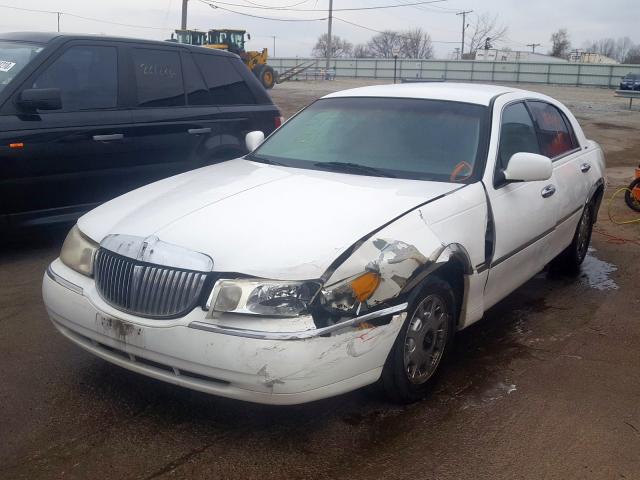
(262, 220)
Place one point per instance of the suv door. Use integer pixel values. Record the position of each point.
(558, 141)
(169, 130)
(524, 213)
(60, 163)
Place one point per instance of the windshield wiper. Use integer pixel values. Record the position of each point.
(349, 167)
(259, 159)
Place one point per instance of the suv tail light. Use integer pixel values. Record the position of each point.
(277, 121)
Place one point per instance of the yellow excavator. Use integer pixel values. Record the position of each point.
(233, 41)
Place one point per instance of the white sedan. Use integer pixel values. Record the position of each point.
(346, 249)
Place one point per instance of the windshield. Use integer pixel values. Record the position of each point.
(13, 57)
(406, 138)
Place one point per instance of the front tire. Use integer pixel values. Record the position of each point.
(571, 258)
(425, 339)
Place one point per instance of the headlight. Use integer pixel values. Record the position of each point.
(347, 295)
(78, 252)
(262, 297)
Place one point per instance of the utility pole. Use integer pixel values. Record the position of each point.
(59, 15)
(183, 23)
(326, 69)
(533, 46)
(457, 52)
(274, 45)
(464, 27)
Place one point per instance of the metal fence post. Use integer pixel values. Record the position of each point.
(578, 78)
(472, 70)
(610, 76)
(356, 68)
(375, 69)
(493, 71)
(446, 66)
(548, 73)
(518, 73)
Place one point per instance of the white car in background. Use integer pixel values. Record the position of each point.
(345, 250)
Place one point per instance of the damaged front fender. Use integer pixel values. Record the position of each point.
(402, 254)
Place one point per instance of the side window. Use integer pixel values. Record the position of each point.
(197, 92)
(517, 133)
(225, 84)
(87, 77)
(555, 134)
(158, 78)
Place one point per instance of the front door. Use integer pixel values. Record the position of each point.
(56, 164)
(524, 213)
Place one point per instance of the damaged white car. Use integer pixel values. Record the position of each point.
(346, 249)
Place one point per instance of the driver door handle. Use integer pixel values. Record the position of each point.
(198, 131)
(108, 138)
(548, 191)
(585, 167)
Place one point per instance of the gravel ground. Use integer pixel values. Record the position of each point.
(546, 386)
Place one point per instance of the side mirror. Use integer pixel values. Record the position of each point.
(528, 167)
(253, 140)
(40, 99)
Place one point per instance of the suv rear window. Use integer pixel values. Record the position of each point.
(225, 84)
(13, 57)
(158, 78)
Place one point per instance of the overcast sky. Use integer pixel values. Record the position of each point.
(529, 21)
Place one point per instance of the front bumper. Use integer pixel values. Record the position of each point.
(276, 367)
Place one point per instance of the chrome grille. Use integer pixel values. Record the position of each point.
(145, 289)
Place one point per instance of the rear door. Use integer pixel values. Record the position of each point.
(59, 163)
(571, 165)
(524, 213)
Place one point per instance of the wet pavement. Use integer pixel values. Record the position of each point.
(547, 385)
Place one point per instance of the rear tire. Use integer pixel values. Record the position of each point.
(569, 261)
(424, 341)
(631, 198)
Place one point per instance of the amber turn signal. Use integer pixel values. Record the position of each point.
(364, 285)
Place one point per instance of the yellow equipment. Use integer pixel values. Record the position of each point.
(233, 41)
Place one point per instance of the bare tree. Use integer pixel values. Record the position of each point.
(485, 27)
(623, 46)
(416, 43)
(384, 44)
(560, 44)
(633, 55)
(339, 47)
(362, 51)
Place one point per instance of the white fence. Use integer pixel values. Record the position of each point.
(586, 74)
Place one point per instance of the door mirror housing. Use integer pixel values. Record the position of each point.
(34, 99)
(528, 167)
(253, 140)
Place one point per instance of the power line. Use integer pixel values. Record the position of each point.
(80, 16)
(354, 9)
(265, 18)
(380, 31)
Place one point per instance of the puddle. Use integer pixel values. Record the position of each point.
(595, 273)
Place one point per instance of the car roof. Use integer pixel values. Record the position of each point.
(480, 94)
(47, 37)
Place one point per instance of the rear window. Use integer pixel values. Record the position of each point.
(13, 58)
(554, 131)
(225, 84)
(407, 138)
(158, 78)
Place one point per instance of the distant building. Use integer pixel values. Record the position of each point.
(496, 55)
(578, 56)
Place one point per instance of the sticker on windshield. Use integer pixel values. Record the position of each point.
(6, 65)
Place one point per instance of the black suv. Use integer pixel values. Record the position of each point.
(86, 118)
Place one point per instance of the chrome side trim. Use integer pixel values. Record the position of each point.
(65, 283)
(299, 335)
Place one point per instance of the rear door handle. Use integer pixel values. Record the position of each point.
(585, 167)
(548, 191)
(198, 131)
(108, 138)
